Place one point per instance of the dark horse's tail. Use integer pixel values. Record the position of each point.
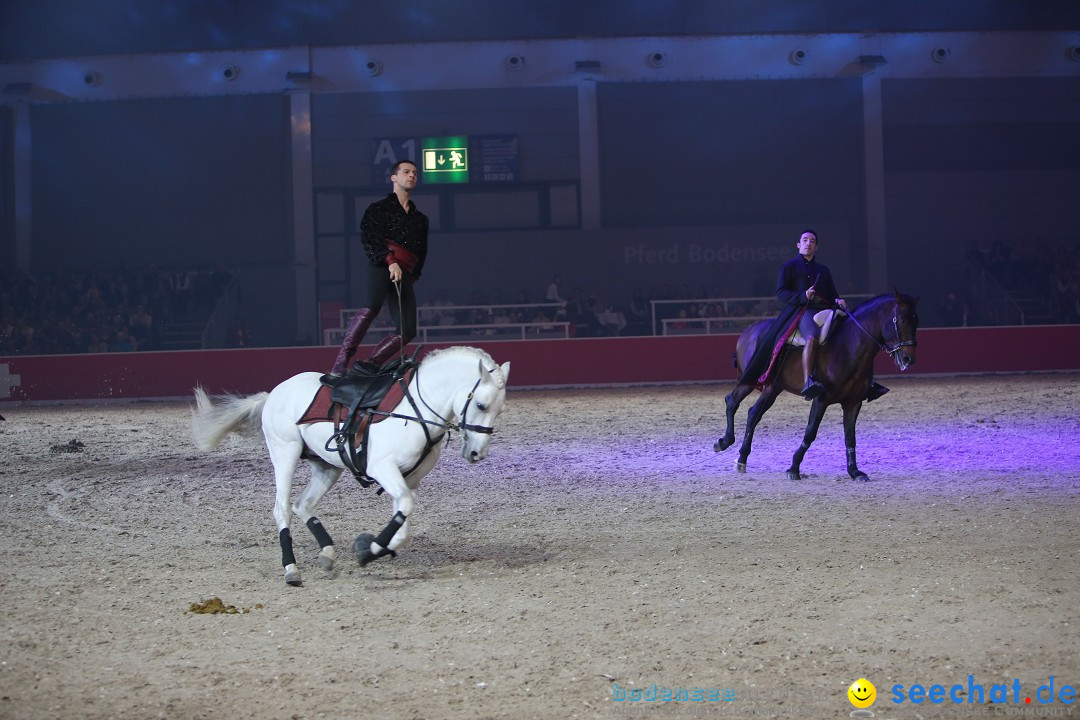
(735, 360)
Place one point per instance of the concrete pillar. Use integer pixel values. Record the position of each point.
(22, 177)
(874, 150)
(303, 216)
(589, 149)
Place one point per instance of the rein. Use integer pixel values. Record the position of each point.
(442, 422)
(401, 324)
(445, 424)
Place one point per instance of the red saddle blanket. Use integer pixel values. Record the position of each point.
(766, 377)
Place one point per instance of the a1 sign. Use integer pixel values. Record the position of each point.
(386, 152)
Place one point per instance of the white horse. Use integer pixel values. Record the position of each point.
(453, 389)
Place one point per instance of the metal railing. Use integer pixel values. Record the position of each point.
(490, 331)
(993, 300)
(216, 333)
(708, 325)
(748, 311)
(447, 327)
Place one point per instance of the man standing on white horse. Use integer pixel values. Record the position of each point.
(394, 234)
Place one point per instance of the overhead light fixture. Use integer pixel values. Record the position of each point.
(513, 63)
(940, 54)
(230, 72)
(797, 56)
(92, 79)
(872, 61)
(1073, 53)
(373, 68)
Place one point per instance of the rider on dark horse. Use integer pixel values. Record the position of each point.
(806, 287)
(395, 237)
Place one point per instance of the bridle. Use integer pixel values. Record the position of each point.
(883, 343)
(464, 425)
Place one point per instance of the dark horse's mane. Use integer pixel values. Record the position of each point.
(883, 298)
(876, 302)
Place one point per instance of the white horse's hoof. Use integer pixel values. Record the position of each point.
(292, 575)
(327, 557)
(740, 467)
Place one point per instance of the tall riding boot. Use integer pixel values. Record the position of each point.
(390, 346)
(812, 388)
(358, 326)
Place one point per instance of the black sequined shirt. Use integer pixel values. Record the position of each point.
(385, 221)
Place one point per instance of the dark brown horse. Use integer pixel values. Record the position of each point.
(845, 364)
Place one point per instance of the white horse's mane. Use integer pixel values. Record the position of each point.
(489, 362)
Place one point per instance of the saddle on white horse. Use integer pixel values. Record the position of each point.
(354, 403)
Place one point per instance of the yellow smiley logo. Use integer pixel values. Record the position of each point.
(862, 693)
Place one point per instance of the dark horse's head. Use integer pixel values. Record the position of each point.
(898, 334)
(891, 320)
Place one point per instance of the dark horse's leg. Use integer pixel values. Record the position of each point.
(733, 400)
(753, 417)
(817, 411)
(851, 414)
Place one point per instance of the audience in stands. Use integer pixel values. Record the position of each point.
(125, 310)
(100, 311)
(952, 312)
(1033, 270)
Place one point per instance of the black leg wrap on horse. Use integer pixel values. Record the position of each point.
(362, 544)
(287, 557)
(317, 529)
(852, 465)
(390, 530)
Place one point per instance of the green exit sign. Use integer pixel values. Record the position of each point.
(445, 159)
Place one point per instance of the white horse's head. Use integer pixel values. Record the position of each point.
(478, 408)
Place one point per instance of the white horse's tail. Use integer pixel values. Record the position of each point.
(212, 421)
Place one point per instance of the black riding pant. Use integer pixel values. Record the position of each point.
(381, 290)
(807, 327)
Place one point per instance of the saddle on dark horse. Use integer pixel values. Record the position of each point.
(791, 337)
(365, 395)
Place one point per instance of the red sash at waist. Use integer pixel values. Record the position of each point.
(401, 256)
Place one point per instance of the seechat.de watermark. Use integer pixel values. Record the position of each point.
(971, 699)
(973, 692)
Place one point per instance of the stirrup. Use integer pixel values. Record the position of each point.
(813, 389)
(876, 390)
